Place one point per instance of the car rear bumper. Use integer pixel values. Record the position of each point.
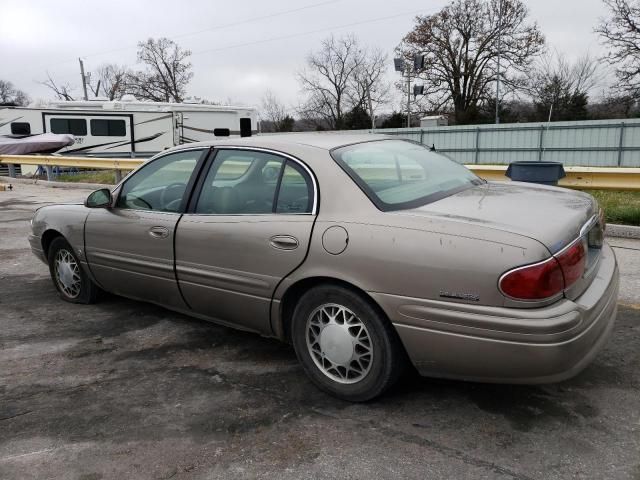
(508, 345)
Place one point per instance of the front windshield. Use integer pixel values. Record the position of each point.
(397, 174)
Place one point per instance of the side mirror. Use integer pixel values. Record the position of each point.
(99, 199)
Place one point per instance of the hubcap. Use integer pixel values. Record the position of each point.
(67, 273)
(339, 343)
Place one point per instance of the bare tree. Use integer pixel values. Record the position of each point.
(62, 91)
(275, 113)
(462, 43)
(11, 95)
(369, 87)
(621, 33)
(112, 80)
(167, 73)
(328, 81)
(560, 89)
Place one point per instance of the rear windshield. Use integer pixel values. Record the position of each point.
(399, 174)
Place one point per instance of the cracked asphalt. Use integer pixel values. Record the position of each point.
(123, 389)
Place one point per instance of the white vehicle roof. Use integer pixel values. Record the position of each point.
(138, 106)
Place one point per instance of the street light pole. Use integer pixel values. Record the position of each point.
(498, 66)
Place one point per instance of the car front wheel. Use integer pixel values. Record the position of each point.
(69, 278)
(346, 346)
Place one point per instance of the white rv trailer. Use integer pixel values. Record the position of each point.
(128, 128)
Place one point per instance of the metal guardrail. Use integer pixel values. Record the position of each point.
(78, 162)
(600, 178)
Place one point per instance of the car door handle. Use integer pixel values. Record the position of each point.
(159, 232)
(284, 242)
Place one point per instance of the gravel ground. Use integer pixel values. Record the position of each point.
(123, 389)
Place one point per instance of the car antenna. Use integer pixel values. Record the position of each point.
(432, 147)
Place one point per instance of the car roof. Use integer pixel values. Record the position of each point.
(320, 140)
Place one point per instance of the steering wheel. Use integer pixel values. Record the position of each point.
(166, 198)
(132, 200)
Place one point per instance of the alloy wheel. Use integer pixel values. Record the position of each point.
(339, 343)
(67, 273)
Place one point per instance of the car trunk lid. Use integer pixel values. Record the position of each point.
(553, 216)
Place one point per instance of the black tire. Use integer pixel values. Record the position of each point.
(388, 356)
(82, 290)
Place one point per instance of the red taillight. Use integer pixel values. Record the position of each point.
(572, 261)
(533, 282)
(546, 279)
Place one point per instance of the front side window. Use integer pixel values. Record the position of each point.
(74, 126)
(108, 128)
(397, 174)
(242, 182)
(160, 185)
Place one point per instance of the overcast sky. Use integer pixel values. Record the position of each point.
(240, 48)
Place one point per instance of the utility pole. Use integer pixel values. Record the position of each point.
(408, 98)
(84, 79)
(498, 67)
(373, 119)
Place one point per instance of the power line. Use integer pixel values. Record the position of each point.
(310, 32)
(187, 34)
(299, 34)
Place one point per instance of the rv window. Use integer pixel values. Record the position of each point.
(21, 128)
(221, 132)
(108, 128)
(74, 126)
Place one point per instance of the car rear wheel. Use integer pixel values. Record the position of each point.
(346, 346)
(69, 278)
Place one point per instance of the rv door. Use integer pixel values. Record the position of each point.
(108, 135)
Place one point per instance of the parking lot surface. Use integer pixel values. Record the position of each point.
(123, 389)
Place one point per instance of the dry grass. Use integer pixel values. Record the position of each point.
(104, 176)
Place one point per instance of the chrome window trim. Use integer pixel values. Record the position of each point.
(314, 182)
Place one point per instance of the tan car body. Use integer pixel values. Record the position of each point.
(432, 270)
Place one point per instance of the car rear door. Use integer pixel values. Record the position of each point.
(129, 247)
(249, 227)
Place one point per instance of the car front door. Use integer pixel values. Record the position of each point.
(248, 228)
(129, 247)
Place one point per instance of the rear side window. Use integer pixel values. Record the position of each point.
(74, 126)
(21, 128)
(108, 128)
(397, 174)
(240, 183)
(296, 191)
